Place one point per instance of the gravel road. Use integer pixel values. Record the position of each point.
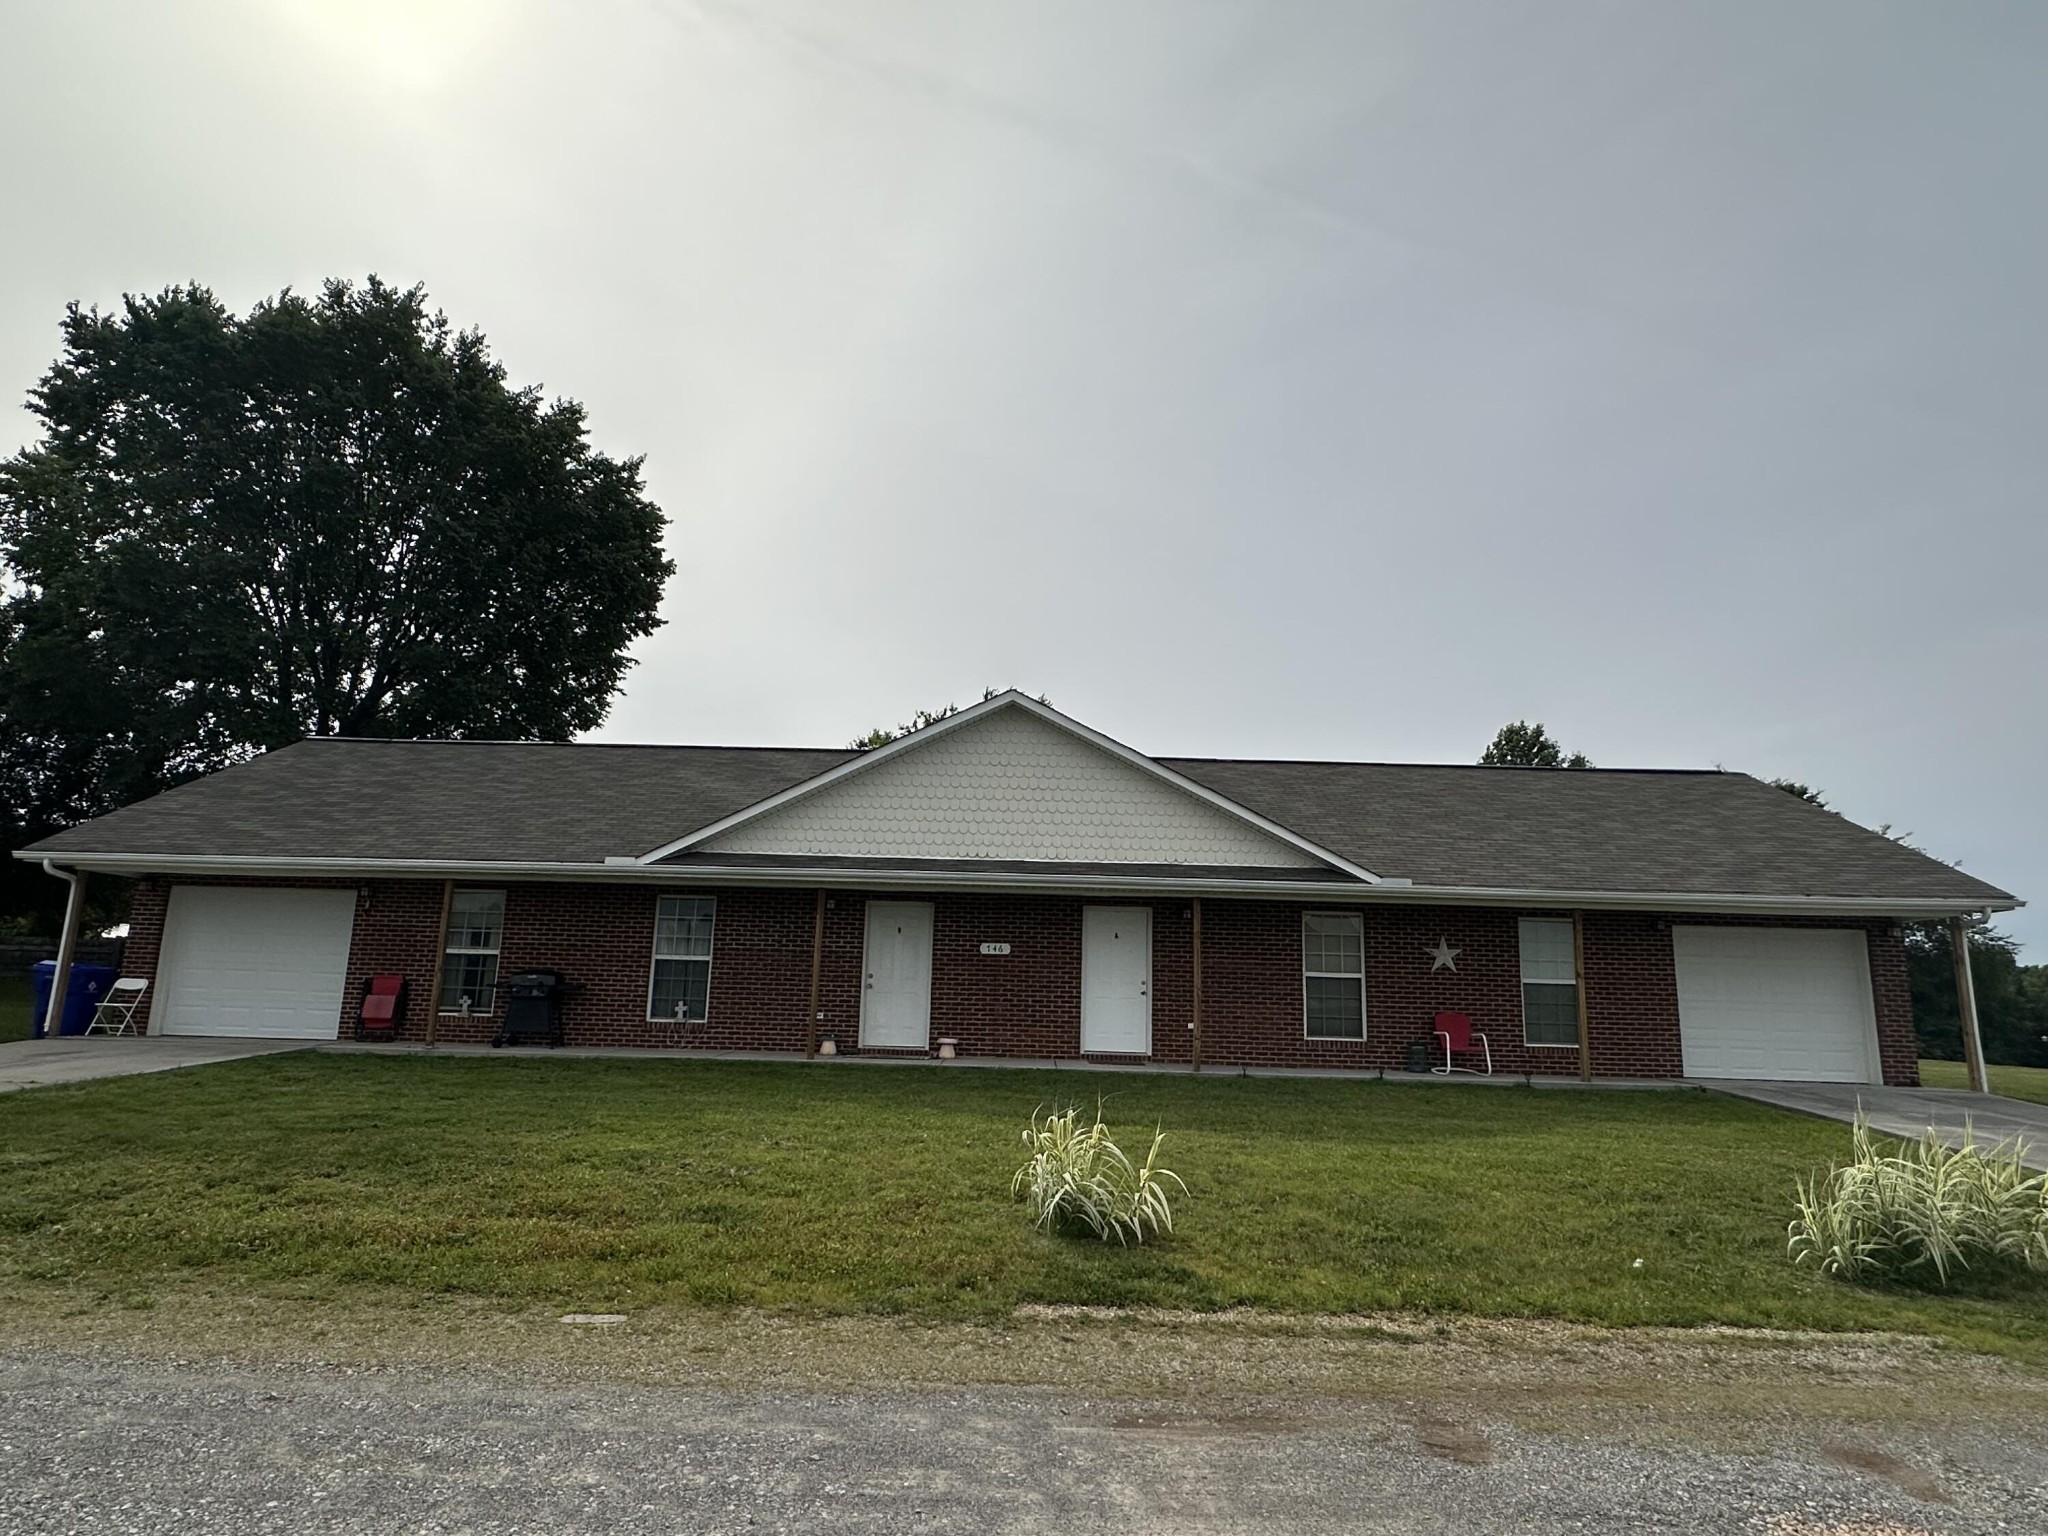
(91, 1444)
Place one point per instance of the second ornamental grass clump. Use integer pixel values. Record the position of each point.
(1921, 1212)
(1078, 1180)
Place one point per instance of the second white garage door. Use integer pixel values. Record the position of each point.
(1789, 1003)
(240, 960)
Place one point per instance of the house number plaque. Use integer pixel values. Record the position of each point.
(995, 949)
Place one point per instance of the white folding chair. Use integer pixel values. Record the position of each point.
(116, 1012)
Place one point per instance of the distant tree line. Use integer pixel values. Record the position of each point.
(2012, 999)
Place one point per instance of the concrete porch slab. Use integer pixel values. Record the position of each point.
(999, 1063)
(83, 1058)
(1908, 1112)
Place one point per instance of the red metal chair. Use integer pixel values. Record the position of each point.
(383, 1008)
(1457, 1034)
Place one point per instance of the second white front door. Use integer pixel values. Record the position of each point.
(896, 993)
(1116, 980)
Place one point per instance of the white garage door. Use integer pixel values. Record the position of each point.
(247, 961)
(1776, 1003)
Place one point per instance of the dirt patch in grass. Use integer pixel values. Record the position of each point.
(1453, 1442)
(1909, 1480)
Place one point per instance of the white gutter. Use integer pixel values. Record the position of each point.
(1387, 891)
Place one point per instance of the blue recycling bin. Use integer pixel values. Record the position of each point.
(89, 984)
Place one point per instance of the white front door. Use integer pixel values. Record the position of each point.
(1776, 1003)
(896, 996)
(246, 960)
(1116, 980)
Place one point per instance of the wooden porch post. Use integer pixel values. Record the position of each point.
(440, 963)
(817, 966)
(67, 947)
(1579, 975)
(1197, 987)
(1966, 1005)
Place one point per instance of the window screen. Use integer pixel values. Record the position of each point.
(681, 988)
(1333, 975)
(1550, 982)
(469, 967)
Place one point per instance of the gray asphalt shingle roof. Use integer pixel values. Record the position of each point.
(1504, 828)
(525, 802)
(1586, 829)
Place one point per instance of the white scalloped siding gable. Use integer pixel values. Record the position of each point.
(1011, 786)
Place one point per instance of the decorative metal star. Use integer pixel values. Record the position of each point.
(1443, 957)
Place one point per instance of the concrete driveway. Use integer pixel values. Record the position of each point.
(1909, 1112)
(81, 1058)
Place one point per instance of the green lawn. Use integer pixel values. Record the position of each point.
(14, 1009)
(599, 1185)
(2013, 1082)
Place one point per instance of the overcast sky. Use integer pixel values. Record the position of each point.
(1253, 379)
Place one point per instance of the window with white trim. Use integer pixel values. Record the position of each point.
(1550, 982)
(680, 990)
(1333, 975)
(469, 965)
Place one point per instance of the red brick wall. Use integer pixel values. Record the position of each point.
(398, 924)
(601, 938)
(1028, 1003)
(1897, 1044)
(1631, 996)
(145, 938)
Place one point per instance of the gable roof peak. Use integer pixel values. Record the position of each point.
(1298, 849)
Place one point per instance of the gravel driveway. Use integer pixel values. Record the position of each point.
(97, 1445)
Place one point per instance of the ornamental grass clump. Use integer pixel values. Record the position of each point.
(1078, 1180)
(1921, 1211)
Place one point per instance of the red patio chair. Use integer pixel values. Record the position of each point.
(383, 1008)
(1457, 1034)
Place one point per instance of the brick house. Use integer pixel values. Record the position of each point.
(1019, 885)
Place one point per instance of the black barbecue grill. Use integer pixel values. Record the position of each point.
(533, 1008)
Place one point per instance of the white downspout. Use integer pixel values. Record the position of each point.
(1966, 1005)
(67, 946)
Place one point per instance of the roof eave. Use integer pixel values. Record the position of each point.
(632, 871)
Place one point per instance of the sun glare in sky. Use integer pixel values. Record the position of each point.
(412, 45)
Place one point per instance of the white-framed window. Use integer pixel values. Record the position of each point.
(1333, 975)
(680, 989)
(469, 965)
(1550, 982)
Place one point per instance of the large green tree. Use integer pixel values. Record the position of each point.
(329, 516)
